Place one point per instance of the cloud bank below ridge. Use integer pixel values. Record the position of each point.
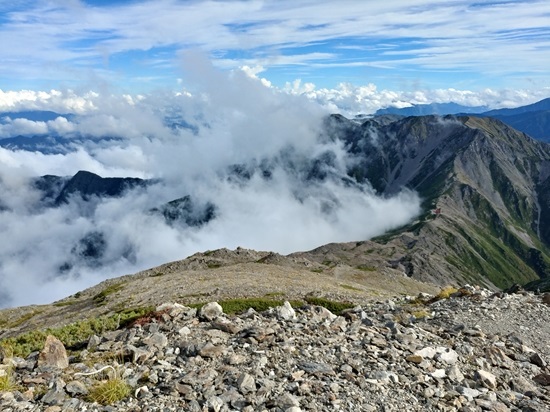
(187, 145)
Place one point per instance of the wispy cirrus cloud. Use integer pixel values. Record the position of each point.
(463, 41)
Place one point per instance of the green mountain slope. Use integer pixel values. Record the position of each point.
(490, 182)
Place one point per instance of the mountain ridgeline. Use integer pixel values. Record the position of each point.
(485, 190)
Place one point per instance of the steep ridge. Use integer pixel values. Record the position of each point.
(489, 182)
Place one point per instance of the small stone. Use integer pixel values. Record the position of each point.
(438, 373)
(141, 392)
(235, 359)
(339, 324)
(226, 327)
(157, 340)
(537, 360)
(455, 374)
(76, 388)
(426, 353)
(215, 404)
(542, 379)
(194, 406)
(54, 354)
(497, 357)
(186, 391)
(56, 395)
(211, 311)
(297, 376)
(287, 400)
(469, 392)
(138, 355)
(429, 392)
(313, 367)
(184, 331)
(320, 314)
(246, 383)
(93, 342)
(211, 351)
(487, 379)
(450, 357)
(522, 385)
(414, 359)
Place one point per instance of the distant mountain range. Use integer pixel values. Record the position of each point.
(533, 119)
(432, 108)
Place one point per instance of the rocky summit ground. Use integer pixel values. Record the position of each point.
(474, 351)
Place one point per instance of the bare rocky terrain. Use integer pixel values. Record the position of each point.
(396, 347)
(464, 353)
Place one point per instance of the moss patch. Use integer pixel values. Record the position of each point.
(101, 297)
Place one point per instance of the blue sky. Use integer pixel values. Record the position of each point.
(135, 46)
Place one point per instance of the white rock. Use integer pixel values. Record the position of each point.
(427, 352)
(438, 373)
(487, 378)
(286, 312)
(211, 311)
(450, 357)
(184, 331)
(455, 374)
(470, 393)
(246, 383)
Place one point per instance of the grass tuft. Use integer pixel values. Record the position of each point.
(110, 391)
(7, 383)
(446, 293)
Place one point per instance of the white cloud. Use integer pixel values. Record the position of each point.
(478, 38)
(237, 120)
(351, 99)
(54, 100)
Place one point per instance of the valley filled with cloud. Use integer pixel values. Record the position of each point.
(258, 156)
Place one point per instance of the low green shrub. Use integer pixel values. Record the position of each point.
(74, 335)
(101, 297)
(335, 307)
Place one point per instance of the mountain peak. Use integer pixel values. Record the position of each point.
(489, 181)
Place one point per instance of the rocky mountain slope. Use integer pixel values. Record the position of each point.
(417, 354)
(485, 196)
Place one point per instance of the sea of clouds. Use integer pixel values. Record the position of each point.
(186, 143)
